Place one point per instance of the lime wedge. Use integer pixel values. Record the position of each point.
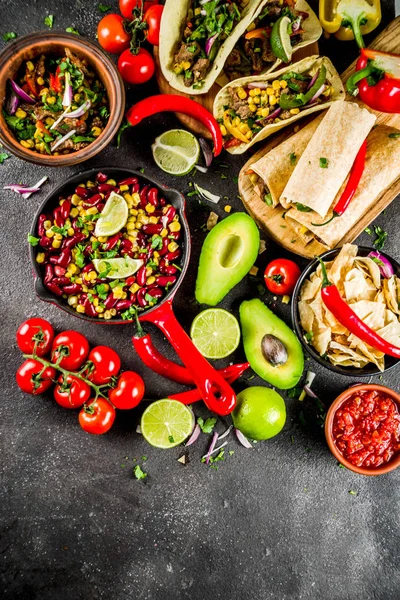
(215, 333)
(280, 40)
(113, 216)
(166, 423)
(117, 268)
(176, 151)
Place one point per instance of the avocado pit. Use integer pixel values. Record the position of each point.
(273, 350)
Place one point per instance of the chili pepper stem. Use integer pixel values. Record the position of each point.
(325, 280)
(354, 24)
(351, 83)
(335, 214)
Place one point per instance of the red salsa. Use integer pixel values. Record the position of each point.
(366, 429)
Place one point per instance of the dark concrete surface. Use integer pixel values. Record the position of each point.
(273, 523)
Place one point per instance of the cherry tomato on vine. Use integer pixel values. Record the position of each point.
(112, 35)
(74, 347)
(71, 392)
(33, 378)
(136, 68)
(281, 276)
(128, 392)
(126, 6)
(97, 417)
(34, 331)
(106, 363)
(152, 17)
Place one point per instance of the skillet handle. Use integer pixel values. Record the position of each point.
(215, 391)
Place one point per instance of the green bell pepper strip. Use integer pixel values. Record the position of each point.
(286, 102)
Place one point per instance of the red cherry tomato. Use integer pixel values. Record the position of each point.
(35, 331)
(75, 348)
(32, 380)
(136, 68)
(152, 17)
(126, 6)
(97, 417)
(106, 363)
(112, 35)
(281, 276)
(129, 391)
(71, 392)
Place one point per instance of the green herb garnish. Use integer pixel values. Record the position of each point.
(49, 20)
(138, 473)
(394, 136)
(208, 425)
(103, 8)
(268, 199)
(10, 35)
(292, 158)
(302, 207)
(381, 236)
(3, 157)
(33, 240)
(323, 162)
(72, 30)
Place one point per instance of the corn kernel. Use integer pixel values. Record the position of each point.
(58, 237)
(172, 246)
(75, 200)
(241, 93)
(47, 224)
(228, 208)
(149, 271)
(56, 243)
(164, 233)
(135, 199)
(71, 231)
(223, 129)
(131, 219)
(80, 308)
(270, 91)
(153, 220)
(72, 300)
(252, 92)
(134, 288)
(265, 112)
(90, 226)
(174, 226)
(253, 271)
(257, 92)
(86, 276)
(99, 309)
(50, 233)
(51, 100)
(133, 212)
(95, 302)
(92, 210)
(250, 101)
(150, 208)
(77, 97)
(21, 114)
(85, 288)
(150, 280)
(244, 128)
(286, 299)
(89, 184)
(27, 143)
(79, 280)
(294, 111)
(111, 182)
(272, 100)
(252, 107)
(283, 84)
(156, 254)
(113, 312)
(124, 296)
(276, 84)
(118, 293)
(72, 268)
(252, 25)
(249, 135)
(96, 131)
(102, 239)
(92, 275)
(132, 238)
(40, 258)
(107, 315)
(143, 219)
(30, 65)
(40, 80)
(254, 178)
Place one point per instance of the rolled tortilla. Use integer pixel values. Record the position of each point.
(382, 168)
(336, 141)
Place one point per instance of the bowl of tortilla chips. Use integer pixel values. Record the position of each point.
(358, 275)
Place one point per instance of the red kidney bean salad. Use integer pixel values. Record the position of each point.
(68, 246)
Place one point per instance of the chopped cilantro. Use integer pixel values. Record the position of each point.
(103, 8)
(171, 439)
(208, 425)
(353, 493)
(268, 199)
(394, 136)
(61, 230)
(231, 452)
(33, 240)
(49, 20)
(79, 256)
(309, 336)
(3, 157)
(104, 112)
(294, 392)
(10, 35)
(156, 242)
(381, 236)
(72, 30)
(150, 299)
(138, 473)
(292, 158)
(323, 162)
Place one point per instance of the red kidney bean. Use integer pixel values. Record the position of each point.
(169, 270)
(141, 297)
(59, 271)
(100, 206)
(41, 229)
(73, 240)
(45, 242)
(152, 196)
(88, 267)
(135, 188)
(48, 273)
(170, 213)
(143, 195)
(88, 250)
(133, 298)
(128, 181)
(54, 288)
(72, 288)
(173, 255)
(123, 304)
(141, 276)
(127, 253)
(110, 301)
(103, 188)
(94, 200)
(164, 280)
(58, 219)
(141, 239)
(112, 242)
(126, 244)
(101, 177)
(90, 309)
(164, 247)
(61, 281)
(156, 292)
(163, 202)
(130, 280)
(82, 299)
(174, 235)
(64, 258)
(65, 209)
(82, 192)
(152, 228)
(75, 225)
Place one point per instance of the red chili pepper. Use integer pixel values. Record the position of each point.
(174, 103)
(351, 187)
(348, 318)
(55, 82)
(377, 80)
(31, 81)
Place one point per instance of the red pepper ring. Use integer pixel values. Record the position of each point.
(351, 187)
(174, 103)
(349, 319)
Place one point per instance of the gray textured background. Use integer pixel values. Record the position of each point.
(273, 523)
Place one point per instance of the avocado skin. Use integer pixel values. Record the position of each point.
(256, 320)
(214, 281)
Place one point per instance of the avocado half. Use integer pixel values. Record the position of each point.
(228, 253)
(256, 320)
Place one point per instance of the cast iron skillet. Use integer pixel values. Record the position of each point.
(215, 391)
(368, 370)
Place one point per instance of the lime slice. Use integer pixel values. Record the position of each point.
(280, 40)
(113, 216)
(176, 151)
(215, 333)
(166, 423)
(117, 268)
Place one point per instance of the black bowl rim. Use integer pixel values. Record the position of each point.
(46, 296)
(347, 371)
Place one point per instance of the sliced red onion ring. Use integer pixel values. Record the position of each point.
(385, 268)
(194, 436)
(273, 115)
(227, 432)
(210, 42)
(67, 98)
(207, 153)
(211, 448)
(12, 103)
(262, 86)
(313, 80)
(37, 185)
(20, 93)
(206, 195)
(310, 376)
(243, 439)
(63, 139)
(215, 450)
(138, 429)
(73, 114)
(309, 392)
(296, 24)
(201, 169)
(317, 94)
(20, 189)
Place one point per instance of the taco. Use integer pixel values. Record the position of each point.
(252, 108)
(258, 50)
(196, 36)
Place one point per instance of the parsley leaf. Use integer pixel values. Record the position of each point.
(294, 392)
(10, 35)
(138, 473)
(156, 242)
(104, 112)
(292, 158)
(79, 256)
(381, 236)
(33, 240)
(208, 425)
(103, 8)
(61, 230)
(3, 157)
(323, 162)
(49, 20)
(72, 30)
(124, 125)
(171, 439)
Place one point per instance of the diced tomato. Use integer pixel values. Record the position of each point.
(232, 143)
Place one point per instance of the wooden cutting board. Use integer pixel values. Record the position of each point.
(207, 100)
(270, 219)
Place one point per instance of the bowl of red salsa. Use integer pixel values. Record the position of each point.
(362, 429)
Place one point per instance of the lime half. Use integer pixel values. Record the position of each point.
(215, 333)
(117, 268)
(113, 216)
(176, 151)
(280, 40)
(166, 423)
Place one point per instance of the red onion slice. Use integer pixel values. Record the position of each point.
(386, 268)
(273, 115)
(317, 94)
(67, 98)
(20, 93)
(262, 86)
(12, 103)
(211, 448)
(243, 439)
(195, 434)
(20, 189)
(207, 153)
(216, 449)
(37, 185)
(63, 139)
(313, 80)
(210, 42)
(201, 169)
(73, 114)
(227, 432)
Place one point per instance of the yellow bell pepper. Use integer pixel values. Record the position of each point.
(234, 130)
(350, 19)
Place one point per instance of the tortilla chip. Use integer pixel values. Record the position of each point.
(370, 266)
(310, 289)
(356, 287)
(390, 293)
(321, 340)
(342, 263)
(306, 316)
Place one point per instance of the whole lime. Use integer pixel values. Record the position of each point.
(260, 413)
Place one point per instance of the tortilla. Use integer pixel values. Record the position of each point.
(382, 168)
(309, 66)
(173, 22)
(336, 141)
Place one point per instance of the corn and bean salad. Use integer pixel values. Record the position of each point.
(56, 105)
(67, 248)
